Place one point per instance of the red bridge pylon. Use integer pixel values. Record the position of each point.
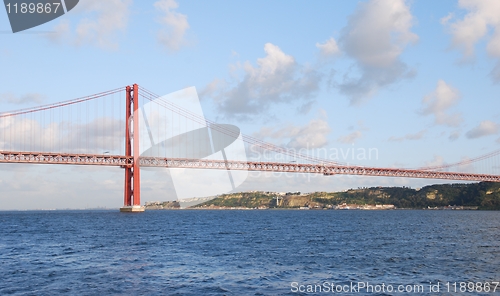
(132, 198)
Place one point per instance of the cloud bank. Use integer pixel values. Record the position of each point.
(312, 135)
(174, 25)
(101, 22)
(439, 101)
(482, 21)
(485, 128)
(375, 37)
(31, 98)
(276, 79)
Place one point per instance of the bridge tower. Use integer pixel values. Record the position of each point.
(132, 198)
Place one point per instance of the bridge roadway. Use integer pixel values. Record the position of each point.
(325, 169)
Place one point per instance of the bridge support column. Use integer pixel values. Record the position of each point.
(132, 197)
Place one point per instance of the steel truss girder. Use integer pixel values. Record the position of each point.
(325, 169)
(64, 158)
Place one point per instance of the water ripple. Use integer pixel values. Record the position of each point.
(241, 252)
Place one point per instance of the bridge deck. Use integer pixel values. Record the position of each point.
(325, 169)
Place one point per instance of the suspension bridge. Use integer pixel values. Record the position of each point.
(100, 130)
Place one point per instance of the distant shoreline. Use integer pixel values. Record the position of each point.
(474, 196)
(298, 209)
(228, 209)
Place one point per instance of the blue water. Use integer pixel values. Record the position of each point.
(242, 252)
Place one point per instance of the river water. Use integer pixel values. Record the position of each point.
(254, 252)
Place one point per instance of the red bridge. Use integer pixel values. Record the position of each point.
(80, 130)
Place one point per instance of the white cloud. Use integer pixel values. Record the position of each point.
(445, 20)
(465, 166)
(351, 138)
(31, 98)
(438, 160)
(375, 37)
(439, 101)
(438, 163)
(60, 32)
(329, 48)
(312, 135)
(53, 186)
(412, 137)
(454, 135)
(495, 73)
(357, 133)
(277, 78)
(100, 23)
(26, 134)
(174, 24)
(112, 16)
(211, 88)
(485, 128)
(481, 21)
(482, 15)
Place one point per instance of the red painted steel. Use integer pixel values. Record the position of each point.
(325, 169)
(128, 149)
(132, 162)
(136, 170)
(64, 158)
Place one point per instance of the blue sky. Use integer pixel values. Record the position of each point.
(417, 80)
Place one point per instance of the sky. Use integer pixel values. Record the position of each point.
(419, 81)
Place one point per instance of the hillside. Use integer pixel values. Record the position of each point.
(484, 195)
